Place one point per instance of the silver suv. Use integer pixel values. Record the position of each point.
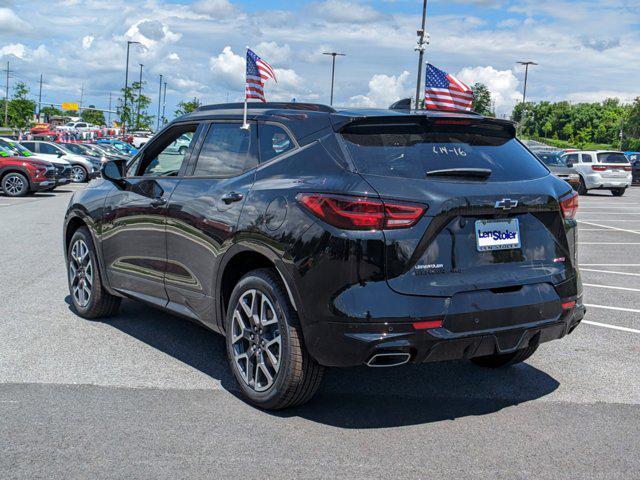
(600, 170)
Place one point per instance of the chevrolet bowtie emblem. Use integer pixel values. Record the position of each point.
(506, 204)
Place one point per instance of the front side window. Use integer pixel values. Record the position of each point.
(163, 158)
(226, 151)
(31, 146)
(274, 141)
(48, 149)
(572, 158)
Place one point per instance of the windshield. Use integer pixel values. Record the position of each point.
(15, 148)
(551, 159)
(412, 150)
(612, 157)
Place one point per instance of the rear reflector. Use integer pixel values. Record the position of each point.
(360, 213)
(428, 324)
(568, 305)
(569, 206)
(598, 168)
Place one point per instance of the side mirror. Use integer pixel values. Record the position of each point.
(60, 154)
(114, 171)
(569, 165)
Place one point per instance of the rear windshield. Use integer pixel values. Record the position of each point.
(612, 157)
(412, 150)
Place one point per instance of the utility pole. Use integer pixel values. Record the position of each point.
(524, 93)
(333, 69)
(109, 113)
(40, 99)
(126, 85)
(621, 132)
(159, 103)
(6, 100)
(139, 95)
(81, 97)
(164, 102)
(423, 41)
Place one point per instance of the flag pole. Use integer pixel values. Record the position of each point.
(245, 125)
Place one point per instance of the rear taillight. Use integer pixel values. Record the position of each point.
(427, 324)
(598, 168)
(569, 206)
(627, 169)
(360, 213)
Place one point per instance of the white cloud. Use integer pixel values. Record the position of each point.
(273, 53)
(151, 33)
(173, 57)
(345, 11)
(15, 49)
(214, 8)
(600, 95)
(87, 41)
(228, 68)
(383, 91)
(11, 23)
(502, 84)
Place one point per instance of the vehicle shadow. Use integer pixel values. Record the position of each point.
(352, 397)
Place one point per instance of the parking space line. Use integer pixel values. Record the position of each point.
(609, 271)
(608, 243)
(610, 264)
(618, 309)
(614, 327)
(609, 227)
(626, 289)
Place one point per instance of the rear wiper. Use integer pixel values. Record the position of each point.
(460, 172)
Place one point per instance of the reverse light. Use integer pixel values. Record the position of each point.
(427, 324)
(569, 206)
(360, 213)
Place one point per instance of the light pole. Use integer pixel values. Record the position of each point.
(126, 85)
(333, 69)
(524, 93)
(159, 103)
(164, 102)
(139, 95)
(423, 41)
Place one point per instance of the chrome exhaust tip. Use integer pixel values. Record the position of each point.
(388, 359)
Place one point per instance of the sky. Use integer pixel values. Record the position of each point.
(586, 50)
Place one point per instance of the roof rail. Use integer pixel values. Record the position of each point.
(317, 107)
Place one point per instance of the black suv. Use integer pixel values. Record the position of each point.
(315, 237)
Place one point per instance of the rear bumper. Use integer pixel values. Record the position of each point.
(341, 344)
(598, 181)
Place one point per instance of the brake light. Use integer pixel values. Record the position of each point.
(428, 324)
(569, 206)
(360, 213)
(568, 305)
(598, 168)
(627, 169)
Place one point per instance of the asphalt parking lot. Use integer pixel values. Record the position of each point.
(148, 395)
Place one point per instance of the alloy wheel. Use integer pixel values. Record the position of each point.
(256, 340)
(81, 273)
(77, 174)
(14, 185)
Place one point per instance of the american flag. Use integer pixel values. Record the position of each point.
(445, 92)
(257, 72)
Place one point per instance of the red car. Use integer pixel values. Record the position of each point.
(19, 176)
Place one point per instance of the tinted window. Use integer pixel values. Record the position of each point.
(572, 158)
(274, 141)
(586, 158)
(413, 150)
(551, 159)
(31, 146)
(48, 149)
(226, 151)
(165, 157)
(612, 157)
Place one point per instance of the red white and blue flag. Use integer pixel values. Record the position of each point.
(445, 92)
(258, 71)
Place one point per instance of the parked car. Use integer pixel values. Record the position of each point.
(140, 138)
(82, 168)
(320, 237)
(63, 168)
(111, 150)
(76, 127)
(556, 165)
(180, 145)
(123, 147)
(600, 170)
(634, 160)
(20, 176)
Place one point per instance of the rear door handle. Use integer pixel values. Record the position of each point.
(158, 202)
(232, 197)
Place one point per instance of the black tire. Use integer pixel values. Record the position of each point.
(582, 188)
(79, 174)
(299, 375)
(100, 303)
(506, 359)
(15, 184)
(618, 192)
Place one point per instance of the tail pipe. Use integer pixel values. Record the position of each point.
(388, 359)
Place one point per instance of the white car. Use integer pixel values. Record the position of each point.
(82, 168)
(76, 127)
(601, 170)
(140, 138)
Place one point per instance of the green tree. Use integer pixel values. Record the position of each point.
(20, 108)
(133, 116)
(187, 106)
(51, 111)
(95, 117)
(481, 99)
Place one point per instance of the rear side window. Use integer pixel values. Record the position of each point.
(412, 150)
(226, 151)
(586, 158)
(274, 141)
(612, 157)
